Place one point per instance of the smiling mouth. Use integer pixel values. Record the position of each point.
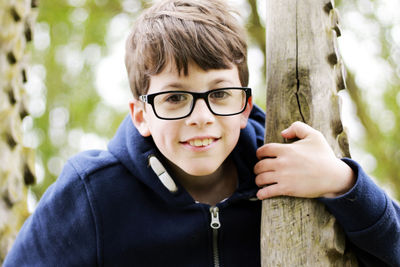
(200, 142)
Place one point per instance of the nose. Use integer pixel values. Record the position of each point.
(201, 115)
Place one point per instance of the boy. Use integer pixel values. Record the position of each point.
(177, 185)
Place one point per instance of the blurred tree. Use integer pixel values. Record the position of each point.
(16, 161)
(67, 109)
(377, 100)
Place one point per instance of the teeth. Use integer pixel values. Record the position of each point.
(198, 142)
(201, 142)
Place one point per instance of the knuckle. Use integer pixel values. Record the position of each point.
(297, 123)
(318, 134)
(281, 163)
(278, 163)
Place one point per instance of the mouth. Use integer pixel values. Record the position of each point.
(201, 142)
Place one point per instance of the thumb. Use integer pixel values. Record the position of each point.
(297, 129)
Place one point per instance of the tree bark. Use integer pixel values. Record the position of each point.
(304, 74)
(16, 161)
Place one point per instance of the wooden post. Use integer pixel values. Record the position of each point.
(16, 161)
(304, 73)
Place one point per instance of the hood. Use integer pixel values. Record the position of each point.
(134, 151)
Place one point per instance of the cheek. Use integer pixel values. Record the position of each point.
(164, 134)
(232, 129)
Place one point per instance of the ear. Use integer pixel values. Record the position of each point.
(246, 113)
(137, 113)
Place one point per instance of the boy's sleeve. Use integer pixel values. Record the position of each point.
(61, 231)
(370, 219)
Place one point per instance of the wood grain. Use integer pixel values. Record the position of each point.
(304, 73)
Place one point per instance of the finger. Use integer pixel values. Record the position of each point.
(269, 191)
(270, 150)
(298, 129)
(266, 178)
(265, 165)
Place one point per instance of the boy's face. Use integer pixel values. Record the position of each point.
(199, 143)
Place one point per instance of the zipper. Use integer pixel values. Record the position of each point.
(215, 225)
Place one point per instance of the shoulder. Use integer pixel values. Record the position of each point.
(91, 161)
(88, 162)
(71, 184)
(63, 221)
(74, 182)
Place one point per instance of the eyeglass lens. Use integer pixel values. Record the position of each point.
(179, 104)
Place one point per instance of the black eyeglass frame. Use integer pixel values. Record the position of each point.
(149, 99)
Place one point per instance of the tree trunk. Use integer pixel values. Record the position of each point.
(16, 162)
(304, 73)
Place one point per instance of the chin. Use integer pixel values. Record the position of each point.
(200, 170)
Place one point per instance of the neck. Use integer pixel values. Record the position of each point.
(210, 189)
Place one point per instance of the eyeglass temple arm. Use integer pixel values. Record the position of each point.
(143, 98)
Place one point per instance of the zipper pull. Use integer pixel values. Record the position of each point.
(215, 223)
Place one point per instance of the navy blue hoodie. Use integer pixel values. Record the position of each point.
(109, 208)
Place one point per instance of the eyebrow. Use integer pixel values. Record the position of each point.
(219, 80)
(181, 86)
(176, 85)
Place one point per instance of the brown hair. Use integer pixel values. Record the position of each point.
(180, 31)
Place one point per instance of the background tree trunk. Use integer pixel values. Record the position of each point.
(304, 73)
(16, 162)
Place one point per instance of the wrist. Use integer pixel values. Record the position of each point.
(343, 181)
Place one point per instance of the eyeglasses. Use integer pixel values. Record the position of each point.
(174, 105)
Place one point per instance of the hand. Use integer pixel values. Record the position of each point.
(306, 168)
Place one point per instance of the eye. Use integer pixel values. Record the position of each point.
(220, 94)
(175, 98)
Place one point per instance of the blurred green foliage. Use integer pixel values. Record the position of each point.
(377, 103)
(70, 42)
(70, 25)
